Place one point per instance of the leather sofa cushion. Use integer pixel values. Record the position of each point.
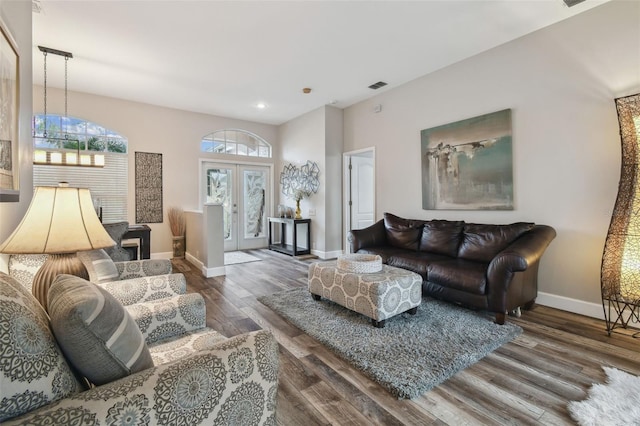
(441, 237)
(459, 274)
(414, 261)
(402, 233)
(482, 242)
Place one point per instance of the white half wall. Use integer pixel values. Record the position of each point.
(560, 83)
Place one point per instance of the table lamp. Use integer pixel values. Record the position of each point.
(60, 222)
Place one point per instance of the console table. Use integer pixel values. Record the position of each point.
(142, 233)
(290, 249)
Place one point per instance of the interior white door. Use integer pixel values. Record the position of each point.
(362, 181)
(244, 192)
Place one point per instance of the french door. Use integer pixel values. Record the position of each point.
(244, 192)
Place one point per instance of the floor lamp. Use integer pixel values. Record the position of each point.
(620, 273)
(60, 222)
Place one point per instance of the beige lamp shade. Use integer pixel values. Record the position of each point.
(59, 220)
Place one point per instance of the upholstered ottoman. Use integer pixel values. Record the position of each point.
(378, 295)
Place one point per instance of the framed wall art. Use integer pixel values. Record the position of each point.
(9, 108)
(148, 187)
(468, 164)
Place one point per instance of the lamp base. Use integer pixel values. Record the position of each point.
(56, 264)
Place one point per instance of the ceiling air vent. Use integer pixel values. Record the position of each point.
(376, 86)
(572, 2)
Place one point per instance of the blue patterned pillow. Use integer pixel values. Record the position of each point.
(96, 333)
(33, 371)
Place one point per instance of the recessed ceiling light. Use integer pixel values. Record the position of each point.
(261, 105)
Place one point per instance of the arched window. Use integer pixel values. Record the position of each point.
(91, 136)
(108, 185)
(236, 142)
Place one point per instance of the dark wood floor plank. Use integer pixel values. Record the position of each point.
(527, 381)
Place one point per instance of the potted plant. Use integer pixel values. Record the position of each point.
(178, 225)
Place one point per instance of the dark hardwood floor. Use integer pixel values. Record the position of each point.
(527, 381)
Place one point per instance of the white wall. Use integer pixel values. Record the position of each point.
(16, 17)
(317, 136)
(174, 133)
(299, 140)
(560, 83)
(333, 194)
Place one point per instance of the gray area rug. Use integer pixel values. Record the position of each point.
(412, 353)
(614, 403)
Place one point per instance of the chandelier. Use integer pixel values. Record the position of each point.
(59, 157)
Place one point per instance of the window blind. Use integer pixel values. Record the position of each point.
(108, 185)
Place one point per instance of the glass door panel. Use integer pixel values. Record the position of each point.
(244, 192)
(220, 190)
(255, 196)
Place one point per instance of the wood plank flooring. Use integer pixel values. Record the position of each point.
(527, 381)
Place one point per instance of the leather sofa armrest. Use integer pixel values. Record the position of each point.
(153, 396)
(518, 256)
(143, 268)
(372, 236)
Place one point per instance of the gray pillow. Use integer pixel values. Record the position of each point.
(100, 266)
(95, 332)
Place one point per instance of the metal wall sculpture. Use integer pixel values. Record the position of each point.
(298, 183)
(620, 273)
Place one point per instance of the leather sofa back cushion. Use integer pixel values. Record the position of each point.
(483, 242)
(402, 233)
(441, 237)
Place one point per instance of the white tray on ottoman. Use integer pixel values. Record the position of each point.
(378, 295)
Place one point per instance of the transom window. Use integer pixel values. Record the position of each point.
(236, 142)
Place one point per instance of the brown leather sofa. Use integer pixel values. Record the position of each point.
(482, 266)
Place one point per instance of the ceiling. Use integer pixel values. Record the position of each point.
(225, 57)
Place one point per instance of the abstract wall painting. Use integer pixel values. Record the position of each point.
(468, 164)
(148, 187)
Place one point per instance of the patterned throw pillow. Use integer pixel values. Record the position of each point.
(33, 371)
(96, 333)
(99, 265)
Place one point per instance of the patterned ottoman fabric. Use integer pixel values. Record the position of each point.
(378, 295)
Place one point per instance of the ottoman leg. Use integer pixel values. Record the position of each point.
(315, 296)
(413, 311)
(378, 324)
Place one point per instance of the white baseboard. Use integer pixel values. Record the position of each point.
(207, 272)
(576, 306)
(162, 255)
(327, 254)
(214, 272)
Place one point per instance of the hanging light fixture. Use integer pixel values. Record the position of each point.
(56, 157)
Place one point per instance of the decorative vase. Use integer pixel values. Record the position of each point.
(298, 211)
(178, 247)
